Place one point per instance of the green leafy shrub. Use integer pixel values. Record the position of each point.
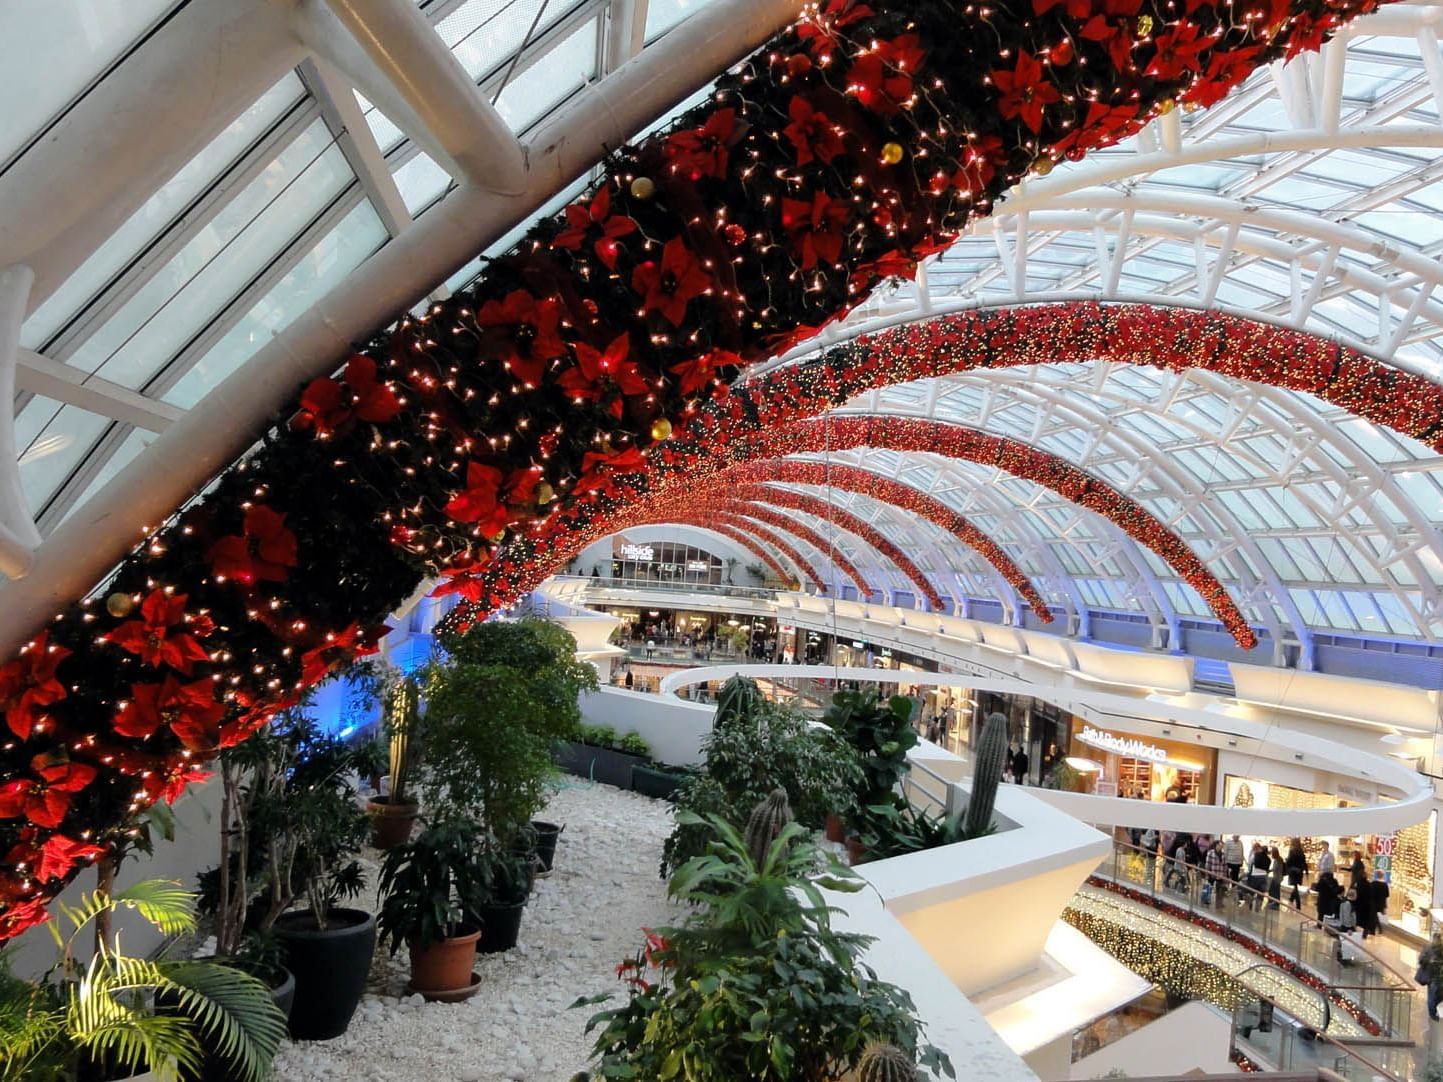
(757, 984)
(505, 692)
(746, 756)
(880, 732)
(634, 744)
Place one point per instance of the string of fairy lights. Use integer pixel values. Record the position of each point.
(601, 349)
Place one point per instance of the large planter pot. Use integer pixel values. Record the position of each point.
(856, 850)
(330, 967)
(391, 824)
(653, 781)
(546, 836)
(443, 970)
(836, 830)
(605, 765)
(500, 926)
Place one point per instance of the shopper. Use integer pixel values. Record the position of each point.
(1325, 860)
(1379, 890)
(1217, 874)
(1347, 915)
(1258, 867)
(1233, 857)
(1362, 893)
(1020, 765)
(630, 679)
(1276, 871)
(1149, 850)
(1328, 890)
(1430, 971)
(1297, 865)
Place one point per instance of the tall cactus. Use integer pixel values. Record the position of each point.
(740, 698)
(404, 713)
(885, 1063)
(765, 823)
(987, 764)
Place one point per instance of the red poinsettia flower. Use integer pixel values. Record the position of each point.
(815, 228)
(21, 917)
(978, 165)
(29, 682)
(1177, 51)
(893, 264)
(702, 152)
(667, 287)
(45, 798)
(881, 78)
(701, 369)
(533, 329)
(1025, 92)
(1103, 125)
(168, 785)
(1225, 70)
(54, 859)
(596, 374)
(1076, 9)
(582, 218)
(812, 133)
(188, 710)
(598, 468)
(263, 552)
(328, 405)
(819, 32)
(152, 638)
(339, 648)
(1115, 28)
(491, 498)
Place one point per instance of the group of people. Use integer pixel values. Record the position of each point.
(1357, 901)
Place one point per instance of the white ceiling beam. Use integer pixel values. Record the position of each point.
(19, 537)
(390, 52)
(625, 31)
(43, 376)
(347, 123)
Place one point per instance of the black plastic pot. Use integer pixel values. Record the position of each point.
(330, 968)
(654, 781)
(500, 926)
(546, 835)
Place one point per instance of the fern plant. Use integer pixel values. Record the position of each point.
(134, 1014)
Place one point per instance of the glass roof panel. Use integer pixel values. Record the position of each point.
(562, 71)
(48, 457)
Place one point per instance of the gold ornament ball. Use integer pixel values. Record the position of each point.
(545, 493)
(892, 153)
(660, 429)
(1144, 25)
(1166, 106)
(643, 187)
(1042, 166)
(119, 605)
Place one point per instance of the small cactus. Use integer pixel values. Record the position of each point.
(738, 700)
(885, 1063)
(987, 764)
(765, 823)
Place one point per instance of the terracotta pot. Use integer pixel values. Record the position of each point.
(836, 831)
(856, 851)
(391, 824)
(445, 967)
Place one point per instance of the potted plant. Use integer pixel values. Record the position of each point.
(657, 780)
(116, 1016)
(303, 817)
(393, 816)
(424, 885)
(502, 695)
(498, 897)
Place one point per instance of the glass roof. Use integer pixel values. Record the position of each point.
(1311, 197)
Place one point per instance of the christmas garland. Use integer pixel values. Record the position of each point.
(801, 531)
(858, 141)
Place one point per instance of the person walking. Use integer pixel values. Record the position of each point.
(1325, 861)
(1020, 765)
(1297, 868)
(1217, 874)
(1430, 972)
(1149, 851)
(1328, 890)
(1233, 858)
(1379, 891)
(1259, 865)
(1276, 871)
(1362, 892)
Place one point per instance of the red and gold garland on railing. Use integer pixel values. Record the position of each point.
(855, 143)
(799, 530)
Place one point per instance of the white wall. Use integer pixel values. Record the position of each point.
(674, 729)
(1190, 1040)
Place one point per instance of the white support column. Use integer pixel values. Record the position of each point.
(625, 31)
(191, 78)
(64, 383)
(1330, 99)
(224, 423)
(1169, 129)
(405, 68)
(18, 536)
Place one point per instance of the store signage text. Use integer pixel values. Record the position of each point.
(696, 565)
(1122, 745)
(643, 553)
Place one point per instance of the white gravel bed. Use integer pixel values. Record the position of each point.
(581, 921)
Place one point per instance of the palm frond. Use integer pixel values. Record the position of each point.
(107, 1016)
(28, 1025)
(233, 1011)
(163, 902)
